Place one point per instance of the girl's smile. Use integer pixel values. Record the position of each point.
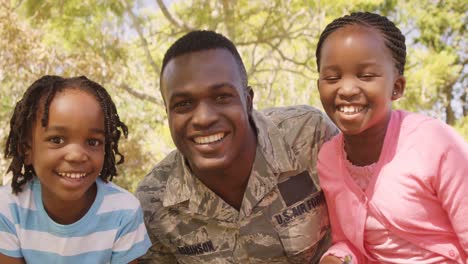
(357, 80)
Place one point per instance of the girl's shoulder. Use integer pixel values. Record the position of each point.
(429, 132)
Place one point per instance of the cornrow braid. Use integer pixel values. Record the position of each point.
(394, 39)
(41, 94)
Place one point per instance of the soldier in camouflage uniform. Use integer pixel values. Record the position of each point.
(242, 186)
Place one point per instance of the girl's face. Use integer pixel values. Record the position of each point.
(68, 154)
(358, 80)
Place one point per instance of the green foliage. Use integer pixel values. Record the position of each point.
(120, 44)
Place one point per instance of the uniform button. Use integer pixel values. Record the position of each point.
(452, 253)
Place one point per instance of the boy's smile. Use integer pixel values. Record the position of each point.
(68, 154)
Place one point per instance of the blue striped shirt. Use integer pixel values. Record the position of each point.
(112, 231)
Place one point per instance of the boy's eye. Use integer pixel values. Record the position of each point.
(56, 140)
(94, 142)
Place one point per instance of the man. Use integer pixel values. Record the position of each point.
(242, 185)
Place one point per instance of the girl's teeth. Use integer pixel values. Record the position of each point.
(350, 109)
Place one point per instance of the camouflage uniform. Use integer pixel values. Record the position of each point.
(283, 217)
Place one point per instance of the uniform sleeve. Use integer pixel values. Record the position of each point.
(451, 186)
(9, 242)
(132, 239)
(158, 253)
(328, 130)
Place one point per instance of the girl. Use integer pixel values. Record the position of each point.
(394, 181)
(60, 208)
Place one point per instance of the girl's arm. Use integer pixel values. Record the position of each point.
(341, 247)
(451, 185)
(9, 260)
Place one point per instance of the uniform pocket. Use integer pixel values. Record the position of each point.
(303, 228)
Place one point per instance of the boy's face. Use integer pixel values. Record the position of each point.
(358, 80)
(208, 109)
(68, 154)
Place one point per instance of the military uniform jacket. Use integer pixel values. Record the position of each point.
(283, 216)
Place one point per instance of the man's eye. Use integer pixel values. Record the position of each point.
(183, 105)
(223, 98)
(56, 140)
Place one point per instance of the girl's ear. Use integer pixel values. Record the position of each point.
(398, 88)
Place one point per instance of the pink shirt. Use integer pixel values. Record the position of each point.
(416, 193)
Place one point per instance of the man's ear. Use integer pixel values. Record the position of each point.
(249, 97)
(398, 87)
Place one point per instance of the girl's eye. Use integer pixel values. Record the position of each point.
(56, 140)
(94, 142)
(366, 77)
(331, 79)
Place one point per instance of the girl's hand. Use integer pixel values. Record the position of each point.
(331, 260)
(334, 260)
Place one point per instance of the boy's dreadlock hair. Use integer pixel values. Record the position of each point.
(394, 39)
(39, 96)
(199, 40)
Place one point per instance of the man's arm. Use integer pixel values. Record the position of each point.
(158, 253)
(4, 259)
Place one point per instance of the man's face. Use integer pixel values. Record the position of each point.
(208, 109)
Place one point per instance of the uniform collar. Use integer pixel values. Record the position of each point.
(273, 157)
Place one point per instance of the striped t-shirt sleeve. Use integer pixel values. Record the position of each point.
(9, 242)
(132, 240)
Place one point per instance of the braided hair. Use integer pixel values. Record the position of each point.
(39, 96)
(200, 40)
(394, 39)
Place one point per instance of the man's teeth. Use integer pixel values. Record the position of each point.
(350, 109)
(73, 175)
(208, 139)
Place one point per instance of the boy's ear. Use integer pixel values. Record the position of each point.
(27, 153)
(398, 88)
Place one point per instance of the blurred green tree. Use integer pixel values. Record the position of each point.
(120, 44)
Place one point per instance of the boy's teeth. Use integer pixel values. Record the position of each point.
(73, 175)
(208, 139)
(350, 109)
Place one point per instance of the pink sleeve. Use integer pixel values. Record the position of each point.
(451, 186)
(341, 247)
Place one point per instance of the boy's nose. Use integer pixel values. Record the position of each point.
(76, 153)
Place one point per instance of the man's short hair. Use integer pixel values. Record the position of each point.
(204, 40)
